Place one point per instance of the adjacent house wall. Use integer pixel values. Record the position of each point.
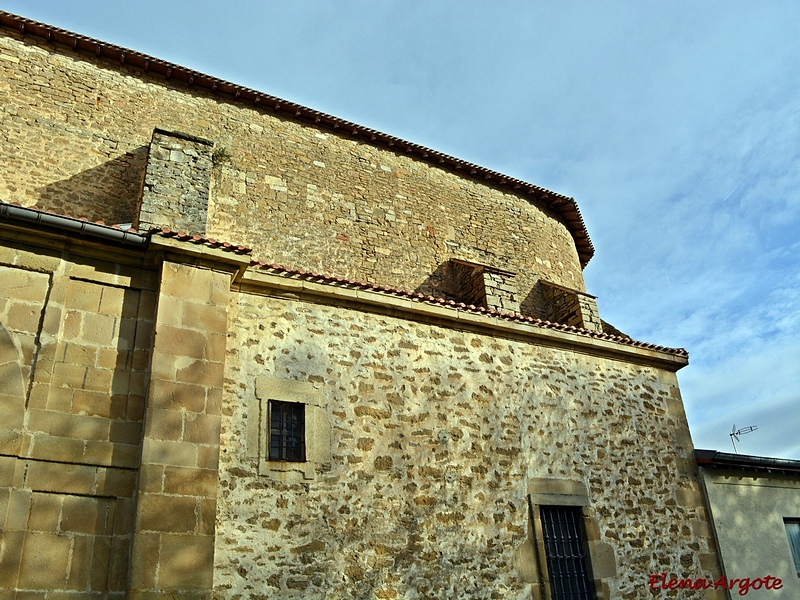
(748, 509)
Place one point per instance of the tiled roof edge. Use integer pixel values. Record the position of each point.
(200, 240)
(113, 232)
(564, 206)
(744, 462)
(516, 317)
(97, 227)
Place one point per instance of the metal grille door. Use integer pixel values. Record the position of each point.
(566, 557)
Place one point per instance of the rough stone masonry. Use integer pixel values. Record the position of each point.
(425, 320)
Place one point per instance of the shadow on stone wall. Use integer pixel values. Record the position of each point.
(108, 192)
(441, 284)
(437, 283)
(534, 303)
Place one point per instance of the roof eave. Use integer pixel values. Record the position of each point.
(713, 459)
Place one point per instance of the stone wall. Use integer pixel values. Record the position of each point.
(132, 449)
(108, 476)
(133, 459)
(75, 338)
(173, 542)
(479, 285)
(570, 307)
(435, 437)
(176, 184)
(299, 195)
(501, 293)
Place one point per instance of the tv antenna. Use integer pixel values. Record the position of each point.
(735, 433)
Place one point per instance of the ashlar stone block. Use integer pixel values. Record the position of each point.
(45, 512)
(45, 558)
(176, 514)
(184, 561)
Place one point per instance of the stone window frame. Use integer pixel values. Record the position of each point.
(532, 558)
(317, 428)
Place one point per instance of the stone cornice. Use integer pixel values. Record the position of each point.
(432, 312)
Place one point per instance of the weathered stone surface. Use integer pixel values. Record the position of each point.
(435, 444)
(67, 367)
(138, 382)
(570, 307)
(376, 215)
(176, 183)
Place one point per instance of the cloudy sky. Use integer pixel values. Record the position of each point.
(675, 125)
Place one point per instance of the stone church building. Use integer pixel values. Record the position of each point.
(250, 350)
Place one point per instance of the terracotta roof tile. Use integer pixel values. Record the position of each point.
(338, 281)
(351, 283)
(200, 240)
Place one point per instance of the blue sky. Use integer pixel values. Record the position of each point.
(675, 125)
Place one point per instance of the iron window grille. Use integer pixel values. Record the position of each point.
(565, 550)
(287, 431)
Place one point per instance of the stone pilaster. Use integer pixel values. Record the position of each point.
(173, 542)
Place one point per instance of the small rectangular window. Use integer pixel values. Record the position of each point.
(565, 551)
(793, 533)
(287, 438)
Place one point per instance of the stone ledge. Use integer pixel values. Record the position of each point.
(563, 492)
(162, 248)
(377, 302)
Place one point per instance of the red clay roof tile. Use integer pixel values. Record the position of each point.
(340, 282)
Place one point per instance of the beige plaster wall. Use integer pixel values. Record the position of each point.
(74, 137)
(435, 435)
(748, 511)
